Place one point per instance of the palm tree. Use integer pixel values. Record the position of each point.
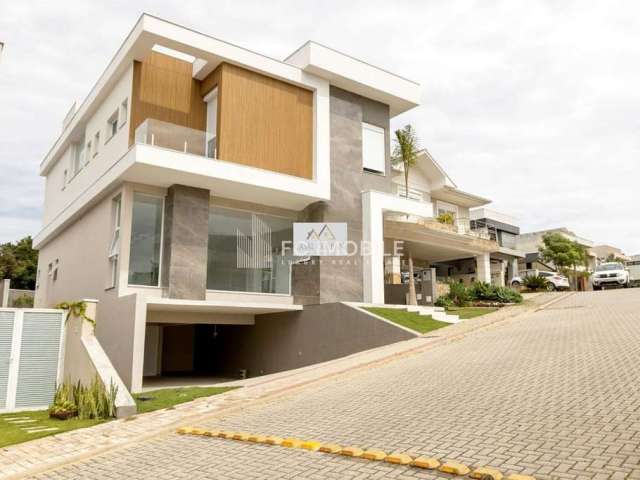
(405, 153)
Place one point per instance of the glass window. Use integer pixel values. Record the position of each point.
(114, 248)
(373, 148)
(124, 112)
(246, 252)
(112, 125)
(146, 240)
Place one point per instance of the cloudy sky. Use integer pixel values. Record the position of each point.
(534, 104)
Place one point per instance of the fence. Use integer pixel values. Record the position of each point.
(14, 297)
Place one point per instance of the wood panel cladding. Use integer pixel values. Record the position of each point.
(163, 89)
(263, 122)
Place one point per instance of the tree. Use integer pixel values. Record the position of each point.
(613, 258)
(563, 253)
(19, 262)
(405, 153)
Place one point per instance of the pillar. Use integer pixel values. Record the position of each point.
(392, 269)
(186, 237)
(483, 268)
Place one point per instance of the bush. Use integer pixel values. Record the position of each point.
(446, 218)
(507, 295)
(23, 301)
(94, 401)
(459, 294)
(535, 282)
(444, 301)
(486, 292)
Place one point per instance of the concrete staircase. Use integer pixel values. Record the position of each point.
(437, 313)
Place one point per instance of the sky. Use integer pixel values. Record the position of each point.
(533, 104)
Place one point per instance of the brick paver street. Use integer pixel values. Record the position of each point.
(554, 393)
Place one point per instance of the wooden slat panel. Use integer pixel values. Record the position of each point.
(265, 123)
(164, 89)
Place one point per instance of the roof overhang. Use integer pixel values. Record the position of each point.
(459, 197)
(218, 306)
(357, 76)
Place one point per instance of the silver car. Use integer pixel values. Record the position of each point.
(555, 281)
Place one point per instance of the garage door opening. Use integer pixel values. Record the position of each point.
(187, 355)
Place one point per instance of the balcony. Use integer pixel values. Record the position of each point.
(176, 137)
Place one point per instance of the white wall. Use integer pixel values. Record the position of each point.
(56, 198)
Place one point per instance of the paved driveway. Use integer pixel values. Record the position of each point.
(554, 393)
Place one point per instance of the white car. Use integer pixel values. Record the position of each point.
(610, 275)
(555, 281)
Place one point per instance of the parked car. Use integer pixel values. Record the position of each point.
(611, 274)
(633, 267)
(555, 281)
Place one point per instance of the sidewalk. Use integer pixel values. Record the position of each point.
(46, 453)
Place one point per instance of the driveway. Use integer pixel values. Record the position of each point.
(554, 393)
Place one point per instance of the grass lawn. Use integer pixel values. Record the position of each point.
(470, 312)
(419, 323)
(168, 397)
(11, 433)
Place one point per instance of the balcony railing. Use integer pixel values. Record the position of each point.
(176, 137)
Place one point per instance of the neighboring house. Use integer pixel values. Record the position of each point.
(504, 229)
(603, 252)
(173, 186)
(529, 243)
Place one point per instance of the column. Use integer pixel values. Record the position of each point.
(483, 268)
(186, 236)
(392, 269)
(503, 268)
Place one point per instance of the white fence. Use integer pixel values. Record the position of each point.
(31, 357)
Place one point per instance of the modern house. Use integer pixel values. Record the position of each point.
(172, 193)
(604, 252)
(530, 243)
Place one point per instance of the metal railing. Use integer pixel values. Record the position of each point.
(176, 137)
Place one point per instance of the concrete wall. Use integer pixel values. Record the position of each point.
(282, 341)
(332, 278)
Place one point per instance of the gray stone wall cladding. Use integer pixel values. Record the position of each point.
(186, 236)
(283, 341)
(339, 278)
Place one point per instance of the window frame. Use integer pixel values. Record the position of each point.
(161, 253)
(113, 254)
(112, 124)
(378, 130)
(123, 113)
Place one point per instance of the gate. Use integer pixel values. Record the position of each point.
(31, 357)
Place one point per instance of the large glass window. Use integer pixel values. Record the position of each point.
(146, 239)
(246, 252)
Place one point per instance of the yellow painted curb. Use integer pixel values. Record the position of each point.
(351, 452)
(273, 441)
(330, 448)
(374, 454)
(426, 462)
(257, 438)
(184, 430)
(398, 459)
(211, 433)
(291, 443)
(519, 476)
(225, 434)
(198, 431)
(454, 468)
(242, 436)
(484, 472)
(310, 445)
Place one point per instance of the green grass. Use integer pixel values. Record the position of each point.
(11, 433)
(419, 323)
(168, 397)
(470, 312)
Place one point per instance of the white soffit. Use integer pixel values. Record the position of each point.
(357, 76)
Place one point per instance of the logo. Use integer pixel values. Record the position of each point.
(320, 239)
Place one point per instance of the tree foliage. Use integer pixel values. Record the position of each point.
(562, 252)
(19, 262)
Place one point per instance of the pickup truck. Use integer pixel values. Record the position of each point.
(610, 274)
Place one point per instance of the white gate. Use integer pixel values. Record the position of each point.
(31, 356)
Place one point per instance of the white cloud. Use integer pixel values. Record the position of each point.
(533, 104)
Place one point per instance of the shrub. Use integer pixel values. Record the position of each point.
(94, 401)
(507, 295)
(444, 301)
(486, 292)
(459, 294)
(535, 282)
(446, 218)
(23, 301)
